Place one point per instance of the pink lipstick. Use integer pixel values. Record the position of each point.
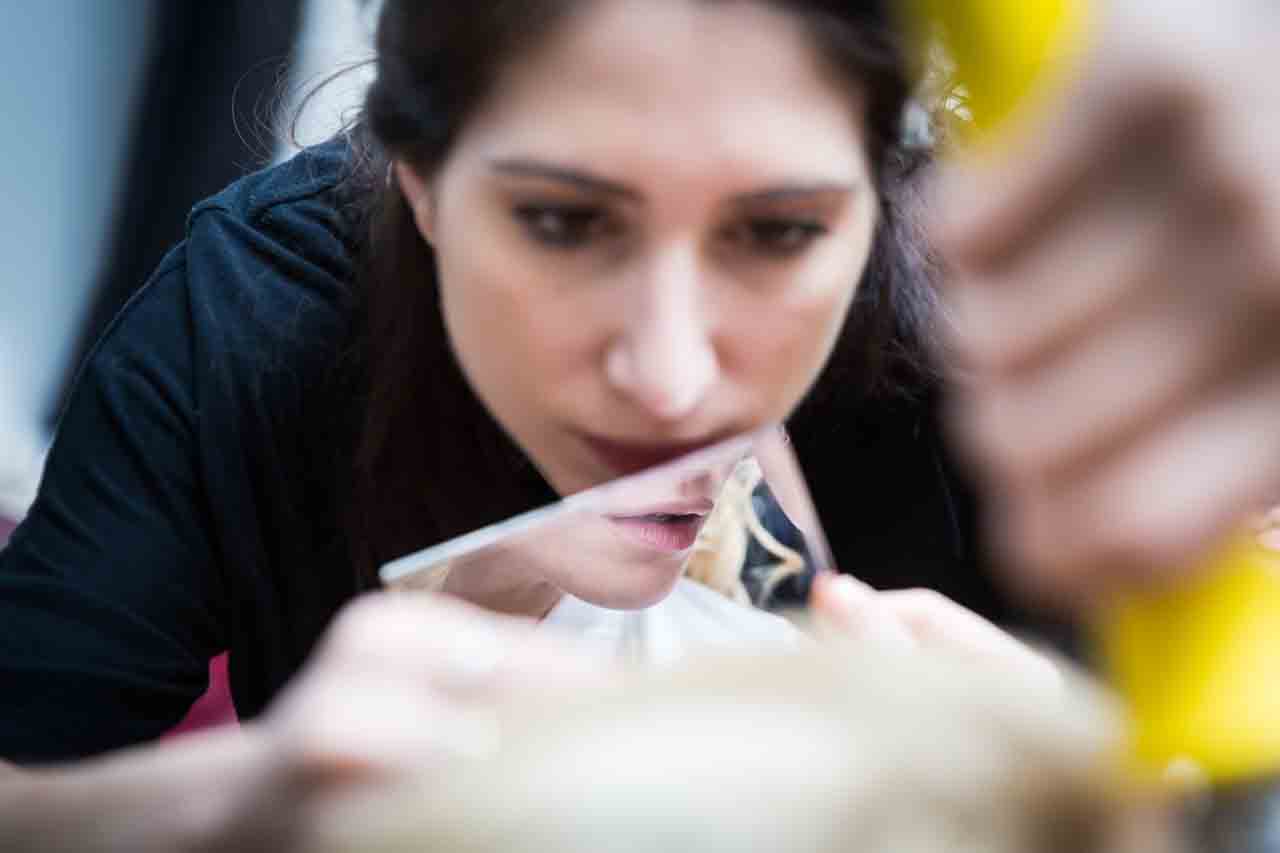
(661, 531)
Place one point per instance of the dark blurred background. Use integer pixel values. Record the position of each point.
(121, 116)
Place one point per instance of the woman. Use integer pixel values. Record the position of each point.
(569, 240)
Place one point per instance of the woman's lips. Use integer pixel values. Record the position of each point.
(700, 506)
(663, 532)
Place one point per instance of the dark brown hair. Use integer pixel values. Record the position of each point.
(430, 461)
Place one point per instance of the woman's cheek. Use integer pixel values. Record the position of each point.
(825, 299)
(487, 317)
(818, 312)
(783, 355)
(491, 300)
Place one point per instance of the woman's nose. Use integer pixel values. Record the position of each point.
(664, 358)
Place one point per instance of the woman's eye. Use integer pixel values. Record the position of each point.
(781, 237)
(562, 226)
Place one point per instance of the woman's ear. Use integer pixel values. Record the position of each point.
(417, 191)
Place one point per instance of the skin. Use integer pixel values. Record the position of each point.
(693, 303)
(1116, 289)
(589, 552)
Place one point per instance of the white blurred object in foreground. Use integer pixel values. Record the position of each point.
(834, 749)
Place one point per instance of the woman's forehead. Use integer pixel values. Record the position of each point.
(736, 38)
(725, 80)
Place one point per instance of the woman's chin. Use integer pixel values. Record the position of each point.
(632, 594)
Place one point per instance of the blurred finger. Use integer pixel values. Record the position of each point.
(850, 608)
(453, 646)
(376, 728)
(1142, 369)
(1103, 257)
(989, 212)
(1234, 150)
(1162, 506)
(937, 621)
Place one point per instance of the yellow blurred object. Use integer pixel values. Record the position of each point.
(1199, 666)
(1002, 49)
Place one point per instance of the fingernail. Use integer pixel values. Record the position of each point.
(874, 623)
(841, 600)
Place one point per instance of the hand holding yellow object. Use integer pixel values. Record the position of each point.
(1114, 275)
(1116, 271)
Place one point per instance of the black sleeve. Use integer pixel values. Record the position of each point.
(111, 602)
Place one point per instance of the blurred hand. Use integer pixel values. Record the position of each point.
(1115, 289)
(921, 618)
(401, 683)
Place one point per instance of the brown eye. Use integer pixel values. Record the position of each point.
(562, 226)
(775, 237)
(778, 236)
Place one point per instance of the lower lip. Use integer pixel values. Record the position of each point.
(672, 536)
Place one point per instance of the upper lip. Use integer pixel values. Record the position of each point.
(632, 456)
(699, 507)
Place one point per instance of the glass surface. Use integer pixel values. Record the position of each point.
(735, 517)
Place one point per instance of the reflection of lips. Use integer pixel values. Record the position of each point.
(662, 531)
(694, 506)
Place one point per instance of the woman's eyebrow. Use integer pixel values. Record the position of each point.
(583, 180)
(804, 191)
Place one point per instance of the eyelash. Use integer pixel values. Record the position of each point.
(562, 226)
(786, 237)
(569, 227)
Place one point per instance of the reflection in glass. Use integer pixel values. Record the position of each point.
(735, 518)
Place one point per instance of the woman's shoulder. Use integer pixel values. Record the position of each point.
(252, 311)
(299, 219)
(271, 263)
(310, 172)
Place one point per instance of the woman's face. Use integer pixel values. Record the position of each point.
(649, 234)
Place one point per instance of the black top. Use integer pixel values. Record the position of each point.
(188, 507)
